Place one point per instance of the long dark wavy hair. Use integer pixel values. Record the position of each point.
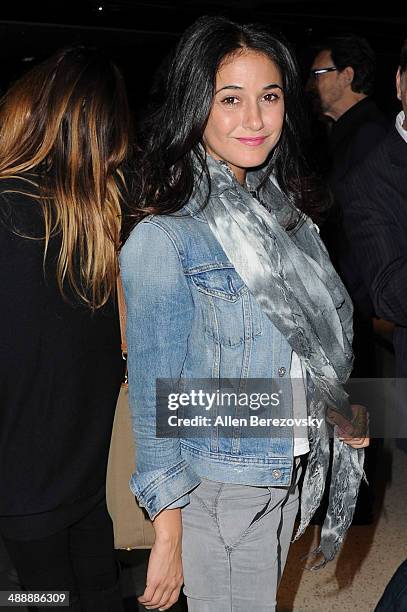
(173, 133)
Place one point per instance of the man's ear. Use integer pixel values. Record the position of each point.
(398, 83)
(347, 75)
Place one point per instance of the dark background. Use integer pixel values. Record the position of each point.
(138, 35)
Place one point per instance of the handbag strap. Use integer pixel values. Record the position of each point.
(122, 318)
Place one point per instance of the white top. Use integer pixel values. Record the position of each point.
(297, 372)
(399, 125)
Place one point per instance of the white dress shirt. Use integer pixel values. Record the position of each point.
(399, 125)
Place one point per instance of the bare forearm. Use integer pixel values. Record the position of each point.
(164, 574)
(168, 524)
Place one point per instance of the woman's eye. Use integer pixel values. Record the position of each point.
(271, 97)
(230, 100)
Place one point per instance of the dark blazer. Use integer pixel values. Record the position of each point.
(374, 204)
(353, 136)
(356, 133)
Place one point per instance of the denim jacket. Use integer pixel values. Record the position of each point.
(190, 315)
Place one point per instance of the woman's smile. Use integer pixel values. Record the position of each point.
(252, 141)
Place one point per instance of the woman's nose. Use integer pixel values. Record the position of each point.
(253, 119)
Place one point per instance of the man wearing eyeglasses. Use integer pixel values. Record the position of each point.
(342, 78)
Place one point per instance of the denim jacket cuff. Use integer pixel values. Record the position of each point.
(158, 489)
(179, 503)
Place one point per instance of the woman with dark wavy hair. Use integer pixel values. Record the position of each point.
(64, 144)
(231, 295)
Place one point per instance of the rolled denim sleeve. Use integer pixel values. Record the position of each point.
(159, 319)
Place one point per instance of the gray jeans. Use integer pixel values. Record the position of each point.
(235, 545)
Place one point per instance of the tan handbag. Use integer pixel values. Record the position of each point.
(132, 527)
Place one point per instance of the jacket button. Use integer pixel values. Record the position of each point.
(276, 474)
(281, 371)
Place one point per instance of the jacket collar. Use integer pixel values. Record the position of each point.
(397, 148)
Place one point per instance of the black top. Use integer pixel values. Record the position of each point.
(60, 373)
(356, 133)
(353, 136)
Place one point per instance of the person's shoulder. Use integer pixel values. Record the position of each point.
(152, 237)
(371, 132)
(152, 254)
(368, 133)
(370, 114)
(376, 160)
(181, 227)
(374, 169)
(19, 207)
(388, 150)
(395, 147)
(182, 235)
(365, 116)
(159, 226)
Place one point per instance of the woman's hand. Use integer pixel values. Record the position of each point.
(164, 574)
(355, 433)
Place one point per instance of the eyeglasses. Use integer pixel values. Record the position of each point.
(316, 72)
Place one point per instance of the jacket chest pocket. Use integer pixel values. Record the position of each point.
(229, 313)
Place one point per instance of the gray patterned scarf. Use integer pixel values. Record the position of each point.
(290, 275)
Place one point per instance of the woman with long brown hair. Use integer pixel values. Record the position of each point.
(64, 146)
